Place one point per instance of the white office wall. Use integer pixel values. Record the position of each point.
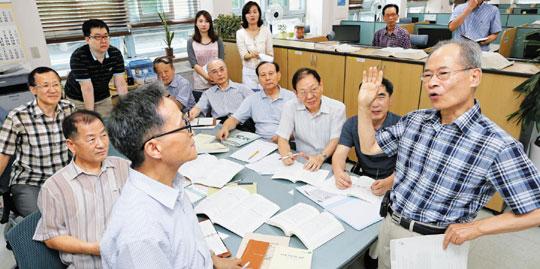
(31, 32)
(322, 14)
(216, 7)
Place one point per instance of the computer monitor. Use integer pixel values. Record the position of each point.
(435, 35)
(347, 33)
(525, 11)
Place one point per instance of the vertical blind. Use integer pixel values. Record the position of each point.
(62, 19)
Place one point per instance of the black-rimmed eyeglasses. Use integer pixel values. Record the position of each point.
(187, 126)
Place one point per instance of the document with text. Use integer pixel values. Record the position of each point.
(296, 172)
(210, 171)
(254, 151)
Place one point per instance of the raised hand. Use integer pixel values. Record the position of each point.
(371, 82)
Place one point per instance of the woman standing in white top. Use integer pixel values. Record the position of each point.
(204, 46)
(253, 39)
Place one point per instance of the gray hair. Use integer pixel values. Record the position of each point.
(214, 60)
(470, 52)
(134, 119)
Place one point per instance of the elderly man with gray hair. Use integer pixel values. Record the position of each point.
(450, 159)
(152, 224)
(223, 98)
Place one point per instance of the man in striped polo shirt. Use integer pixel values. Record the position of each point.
(75, 203)
(92, 67)
(477, 21)
(33, 134)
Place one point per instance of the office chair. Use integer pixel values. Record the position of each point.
(30, 254)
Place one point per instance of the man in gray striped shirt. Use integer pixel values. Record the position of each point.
(76, 202)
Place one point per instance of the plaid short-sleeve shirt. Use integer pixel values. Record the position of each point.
(445, 173)
(36, 141)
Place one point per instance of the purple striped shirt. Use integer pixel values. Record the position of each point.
(397, 38)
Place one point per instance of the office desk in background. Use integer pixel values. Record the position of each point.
(336, 253)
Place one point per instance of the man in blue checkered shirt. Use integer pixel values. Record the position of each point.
(450, 159)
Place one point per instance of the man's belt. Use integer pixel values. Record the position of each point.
(414, 226)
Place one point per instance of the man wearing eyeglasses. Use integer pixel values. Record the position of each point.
(92, 67)
(392, 35)
(75, 203)
(450, 159)
(153, 224)
(33, 134)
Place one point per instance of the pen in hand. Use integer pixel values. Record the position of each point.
(245, 265)
(289, 156)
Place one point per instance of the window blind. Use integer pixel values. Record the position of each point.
(145, 12)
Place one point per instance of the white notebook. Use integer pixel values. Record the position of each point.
(296, 172)
(237, 210)
(203, 123)
(210, 171)
(254, 151)
(360, 188)
(311, 227)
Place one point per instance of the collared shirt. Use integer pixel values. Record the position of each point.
(261, 43)
(445, 173)
(376, 166)
(181, 89)
(265, 112)
(483, 21)
(223, 102)
(85, 66)
(76, 203)
(312, 132)
(153, 226)
(37, 142)
(397, 38)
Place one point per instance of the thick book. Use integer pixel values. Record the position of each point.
(296, 172)
(210, 171)
(255, 253)
(237, 210)
(308, 224)
(239, 138)
(213, 240)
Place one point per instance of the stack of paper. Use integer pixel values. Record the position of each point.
(237, 210)
(210, 171)
(205, 144)
(254, 151)
(494, 60)
(296, 172)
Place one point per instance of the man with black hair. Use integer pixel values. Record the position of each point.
(33, 134)
(392, 35)
(92, 67)
(477, 21)
(75, 203)
(153, 224)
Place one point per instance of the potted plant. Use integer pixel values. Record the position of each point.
(529, 112)
(169, 35)
(227, 25)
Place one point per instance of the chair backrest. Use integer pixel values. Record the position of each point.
(31, 254)
(419, 41)
(507, 41)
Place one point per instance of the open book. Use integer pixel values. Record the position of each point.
(210, 171)
(254, 151)
(296, 172)
(398, 52)
(311, 227)
(203, 123)
(494, 60)
(213, 240)
(237, 210)
(360, 188)
(205, 143)
(239, 138)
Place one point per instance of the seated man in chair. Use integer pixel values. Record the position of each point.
(76, 202)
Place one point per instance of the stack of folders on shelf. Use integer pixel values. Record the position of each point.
(213, 240)
(238, 138)
(266, 255)
(206, 143)
(254, 151)
(358, 213)
(308, 224)
(296, 172)
(203, 123)
(210, 171)
(237, 210)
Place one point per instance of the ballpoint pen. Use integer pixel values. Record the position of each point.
(289, 156)
(253, 154)
(245, 265)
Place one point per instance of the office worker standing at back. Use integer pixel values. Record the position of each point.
(252, 39)
(392, 35)
(92, 67)
(476, 20)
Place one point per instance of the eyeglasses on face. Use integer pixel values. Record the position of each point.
(49, 86)
(313, 91)
(100, 37)
(442, 75)
(187, 126)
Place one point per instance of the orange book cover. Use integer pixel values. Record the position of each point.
(254, 253)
